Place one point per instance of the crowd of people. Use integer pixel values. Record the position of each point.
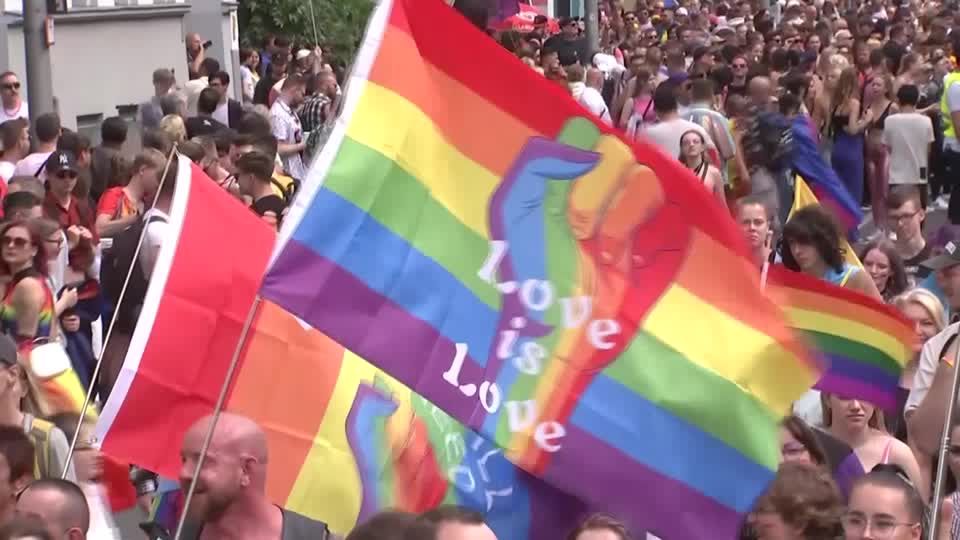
(864, 95)
(746, 94)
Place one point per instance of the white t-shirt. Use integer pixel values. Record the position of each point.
(927, 366)
(593, 102)
(153, 237)
(6, 170)
(287, 130)
(191, 90)
(953, 103)
(908, 136)
(667, 135)
(246, 84)
(29, 165)
(20, 112)
(222, 113)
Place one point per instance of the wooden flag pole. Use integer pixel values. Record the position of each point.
(940, 483)
(113, 321)
(217, 409)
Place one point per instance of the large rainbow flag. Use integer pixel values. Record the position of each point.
(345, 440)
(865, 343)
(582, 303)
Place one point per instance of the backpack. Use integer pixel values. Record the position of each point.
(39, 435)
(113, 272)
(289, 190)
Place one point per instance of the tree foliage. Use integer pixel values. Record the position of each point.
(339, 23)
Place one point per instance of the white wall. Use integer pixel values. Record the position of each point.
(102, 64)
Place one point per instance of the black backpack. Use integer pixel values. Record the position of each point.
(113, 272)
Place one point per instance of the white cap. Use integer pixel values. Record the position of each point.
(682, 11)
(302, 53)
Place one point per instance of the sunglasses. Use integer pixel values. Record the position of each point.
(66, 175)
(11, 86)
(14, 241)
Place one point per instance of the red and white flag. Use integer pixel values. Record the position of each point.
(205, 280)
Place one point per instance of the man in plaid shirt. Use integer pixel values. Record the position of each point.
(317, 109)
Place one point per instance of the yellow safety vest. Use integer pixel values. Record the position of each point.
(949, 130)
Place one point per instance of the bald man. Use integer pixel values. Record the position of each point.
(230, 500)
(60, 504)
(195, 54)
(592, 99)
(458, 523)
(761, 92)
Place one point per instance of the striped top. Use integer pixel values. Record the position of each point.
(8, 313)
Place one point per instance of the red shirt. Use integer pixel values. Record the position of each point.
(76, 213)
(115, 203)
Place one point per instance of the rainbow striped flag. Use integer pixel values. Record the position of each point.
(581, 303)
(865, 343)
(345, 440)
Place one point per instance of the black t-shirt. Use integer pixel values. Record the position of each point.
(295, 527)
(912, 265)
(202, 125)
(270, 203)
(569, 51)
(737, 89)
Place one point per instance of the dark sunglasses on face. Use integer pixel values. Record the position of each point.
(11, 86)
(66, 175)
(14, 241)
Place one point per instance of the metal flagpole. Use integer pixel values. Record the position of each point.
(113, 321)
(313, 20)
(939, 485)
(217, 409)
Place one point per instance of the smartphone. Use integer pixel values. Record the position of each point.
(207, 44)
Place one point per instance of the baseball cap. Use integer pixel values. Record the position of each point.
(949, 257)
(8, 351)
(302, 53)
(61, 160)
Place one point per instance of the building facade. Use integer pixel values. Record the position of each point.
(105, 51)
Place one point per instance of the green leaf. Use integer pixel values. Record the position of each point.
(339, 23)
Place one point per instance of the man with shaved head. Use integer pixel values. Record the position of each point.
(230, 500)
(761, 92)
(60, 504)
(592, 98)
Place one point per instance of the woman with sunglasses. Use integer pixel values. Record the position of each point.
(27, 307)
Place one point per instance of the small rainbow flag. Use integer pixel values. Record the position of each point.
(581, 303)
(865, 343)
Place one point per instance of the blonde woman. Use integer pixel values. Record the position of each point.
(847, 122)
(173, 126)
(878, 98)
(925, 311)
(822, 102)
